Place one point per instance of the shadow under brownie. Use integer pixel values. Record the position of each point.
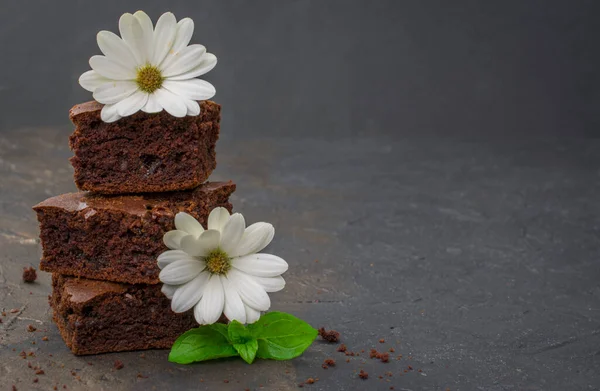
(118, 238)
(99, 316)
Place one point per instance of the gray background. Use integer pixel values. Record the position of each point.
(431, 169)
(337, 68)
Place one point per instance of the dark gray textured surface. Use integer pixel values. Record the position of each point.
(477, 259)
(425, 165)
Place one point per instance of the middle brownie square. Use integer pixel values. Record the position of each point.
(118, 238)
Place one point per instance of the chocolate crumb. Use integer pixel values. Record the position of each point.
(330, 362)
(35, 379)
(410, 368)
(14, 310)
(29, 364)
(420, 370)
(392, 350)
(14, 388)
(384, 357)
(44, 338)
(381, 377)
(373, 353)
(347, 360)
(324, 366)
(391, 387)
(141, 376)
(382, 340)
(29, 274)
(342, 348)
(300, 385)
(119, 365)
(329, 336)
(310, 380)
(225, 381)
(31, 328)
(363, 375)
(39, 372)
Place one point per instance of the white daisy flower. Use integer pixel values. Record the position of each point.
(149, 68)
(220, 270)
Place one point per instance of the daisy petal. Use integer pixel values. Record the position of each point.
(185, 29)
(172, 103)
(260, 265)
(148, 32)
(251, 293)
(132, 104)
(200, 247)
(271, 284)
(217, 218)
(172, 239)
(133, 35)
(187, 223)
(252, 315)
(111, 69)
(109, 114)
(189, 294)
(208, 62)
(114, 91)
(180, 272)
(210, 307)
(169, 290)
(185, 60)
(171, 256)
(152, 106)
(91, 80)
(164, 36)
(193, 108)
(232, 233)
(255, 238)
(194, 89)
(115, 49)
(234, 307)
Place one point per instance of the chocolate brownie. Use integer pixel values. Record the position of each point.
(99, 317)
(118, 238)
(143, 152)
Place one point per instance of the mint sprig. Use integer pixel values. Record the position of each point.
(276, 336)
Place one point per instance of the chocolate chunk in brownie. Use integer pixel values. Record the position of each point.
(118, 238)
(99, 316)
(143, 152)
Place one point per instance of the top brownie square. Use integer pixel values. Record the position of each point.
(144, 152)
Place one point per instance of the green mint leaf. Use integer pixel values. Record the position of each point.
(204, 343)
(247, 350)
(245, 344)
(237, 333)
(281, 336)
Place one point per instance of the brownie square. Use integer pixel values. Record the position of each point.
(143, 152)
(99, 316)
(118, 238)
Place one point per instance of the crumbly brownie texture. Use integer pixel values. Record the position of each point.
(118, 238)
(99, 317)
(143, 152)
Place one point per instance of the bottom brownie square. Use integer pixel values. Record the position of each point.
(99, 316)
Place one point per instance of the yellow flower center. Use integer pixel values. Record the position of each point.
(149, 78)
(217, 262)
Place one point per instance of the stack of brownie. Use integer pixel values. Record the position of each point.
(101, 244)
